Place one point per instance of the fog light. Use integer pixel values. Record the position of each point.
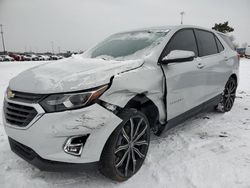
(74, 145)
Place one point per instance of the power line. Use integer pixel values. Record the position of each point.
(1, 25)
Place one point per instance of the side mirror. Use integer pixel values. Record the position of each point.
(178, 56)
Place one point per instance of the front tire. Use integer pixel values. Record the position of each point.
(126, 148)
(228, 96)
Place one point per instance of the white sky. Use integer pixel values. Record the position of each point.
(79, 24)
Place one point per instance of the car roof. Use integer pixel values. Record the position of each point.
(166, 28)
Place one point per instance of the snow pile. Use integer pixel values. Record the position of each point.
(212, 150)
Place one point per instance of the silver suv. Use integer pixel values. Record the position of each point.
(98, 109)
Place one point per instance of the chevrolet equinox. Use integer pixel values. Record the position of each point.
(98, 109)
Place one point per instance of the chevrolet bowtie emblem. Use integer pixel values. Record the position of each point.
(10, 94)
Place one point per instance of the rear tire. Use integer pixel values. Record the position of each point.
(228, 96)
(126, 148)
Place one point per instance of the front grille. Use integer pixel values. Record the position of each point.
(18, 115)
(27, 97)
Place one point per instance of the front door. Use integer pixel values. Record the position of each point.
(185, 80)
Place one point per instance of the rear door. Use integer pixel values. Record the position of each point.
(185, 81)
(213, 59)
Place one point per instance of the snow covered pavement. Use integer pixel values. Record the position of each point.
(211, 150)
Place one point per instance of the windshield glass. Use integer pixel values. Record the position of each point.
(127, 45)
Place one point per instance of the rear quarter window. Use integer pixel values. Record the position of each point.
(228, 41)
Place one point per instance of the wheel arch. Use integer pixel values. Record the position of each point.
(142, 103)
(234, 76)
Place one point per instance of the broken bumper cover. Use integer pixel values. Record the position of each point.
(47, 135)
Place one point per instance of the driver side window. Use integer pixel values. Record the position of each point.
(182, 40)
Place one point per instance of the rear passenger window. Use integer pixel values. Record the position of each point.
(220, 47)
(182, 40)
(206, 43)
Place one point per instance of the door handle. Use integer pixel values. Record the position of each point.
(200, 65)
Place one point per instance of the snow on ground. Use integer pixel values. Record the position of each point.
(211, 150)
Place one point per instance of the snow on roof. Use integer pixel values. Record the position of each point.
(166, 28)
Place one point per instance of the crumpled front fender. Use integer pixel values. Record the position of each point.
(147, 80)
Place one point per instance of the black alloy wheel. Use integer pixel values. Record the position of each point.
(126, 149)
(228, 96)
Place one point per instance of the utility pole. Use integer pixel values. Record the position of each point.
(52, 47)
(59, 50)
(4, 51)
(182, 14)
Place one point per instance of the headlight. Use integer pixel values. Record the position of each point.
(68, 101)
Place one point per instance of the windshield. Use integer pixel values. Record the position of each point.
(127, 45)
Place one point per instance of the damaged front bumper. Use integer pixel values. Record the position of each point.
(33, 158)
(47, 134)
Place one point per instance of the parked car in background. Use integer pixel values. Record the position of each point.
(60, 57)
(98, 108)
(40, 58)
(1, 58)
(241, 51)
(43, 58)
(16, 57)
(7, 58)
(54, 57)
(34, 57)
(247, 52)
(27, 58)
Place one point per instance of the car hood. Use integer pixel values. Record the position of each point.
(70, 74)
